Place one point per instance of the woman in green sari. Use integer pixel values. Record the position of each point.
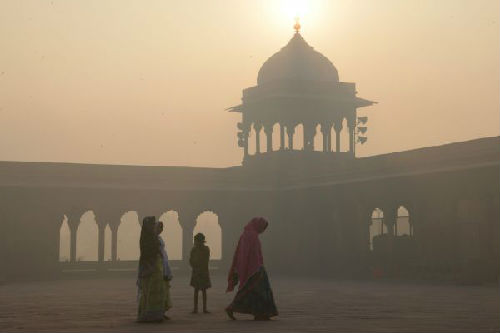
(150, 285)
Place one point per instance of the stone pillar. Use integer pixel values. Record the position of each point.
(290, 130)
(324, 131)
(390, 216)
(245, 143)
(282, 137)
(329, 139)
(114, 242)
(73, 228)
(325, 140)
(187, 221)
(187, 241)
(309, 132)
(365, 216)
(338, 128)
(100, 242)
(73, 223)
(258, 128)
(351, 139)
(269, 137)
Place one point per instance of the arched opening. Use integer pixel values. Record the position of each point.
(107, 243)
(333, 139)
(298, 137)
(129, 233)
(276, 137)
(403, 226)
(208, 224)
(251, 141)
(377, 226)
(86, 238)
(262, 140)
(172, 234)
(344, 136)
(64, 240)
(318, 139)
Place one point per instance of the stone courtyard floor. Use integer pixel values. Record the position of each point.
(305, 305)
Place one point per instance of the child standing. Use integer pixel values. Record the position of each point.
(200, 278)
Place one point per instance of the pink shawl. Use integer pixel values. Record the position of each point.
(247, 258)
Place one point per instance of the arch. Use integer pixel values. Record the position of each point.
(86, 238)
(285, 141)
(344, 136)
(129, 233)
(107, 243)
(318, 139)
(172, 234)
(333, 139)
(403, 225)
(262, 140)
(208, 224)
(251, 141)
(276, 137)
(64, 240)
(377, 225)
(298, 137)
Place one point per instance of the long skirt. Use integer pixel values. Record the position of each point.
(255, 297)
(152, 295)
(168, 300)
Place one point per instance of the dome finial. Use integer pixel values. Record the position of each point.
(296, 26)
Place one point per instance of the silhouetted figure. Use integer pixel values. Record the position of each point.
(200, 277)
(167, 272)
(255, 295)
(150, 283)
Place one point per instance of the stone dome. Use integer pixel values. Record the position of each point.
(297, 61)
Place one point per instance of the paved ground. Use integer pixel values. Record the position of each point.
(311, 305)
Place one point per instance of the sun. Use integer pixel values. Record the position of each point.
(295, 8)
(287, 12)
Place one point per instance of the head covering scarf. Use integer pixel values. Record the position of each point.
(247, 258)
(149, 245)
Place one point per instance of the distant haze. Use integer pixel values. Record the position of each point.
(147, 82)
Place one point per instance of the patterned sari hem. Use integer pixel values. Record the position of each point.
(255, 297)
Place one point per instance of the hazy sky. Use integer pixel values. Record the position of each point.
(147, 82)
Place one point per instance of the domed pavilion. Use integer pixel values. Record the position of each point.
(299, 86)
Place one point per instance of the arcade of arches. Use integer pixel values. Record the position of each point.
(127, 237)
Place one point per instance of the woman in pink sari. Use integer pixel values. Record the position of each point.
(255, 295)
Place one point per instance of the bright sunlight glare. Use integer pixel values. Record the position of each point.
(285, 12)
(295, 8)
